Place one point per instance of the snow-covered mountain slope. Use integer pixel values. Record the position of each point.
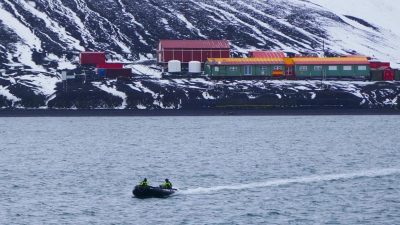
(38, 38)
(373, 27)
(45, 34)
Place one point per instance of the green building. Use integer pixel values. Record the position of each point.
(336, 67)
(242, 67)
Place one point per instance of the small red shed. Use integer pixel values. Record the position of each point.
(266, 54)
(92, 58)
(192, 50)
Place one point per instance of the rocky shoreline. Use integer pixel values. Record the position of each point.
(204, 112)
(197, 94)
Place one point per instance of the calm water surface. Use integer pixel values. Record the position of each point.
(230, 170)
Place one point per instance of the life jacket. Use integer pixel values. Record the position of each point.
(144, 184)
(167, 185)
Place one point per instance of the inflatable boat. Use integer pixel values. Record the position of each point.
(152, 192)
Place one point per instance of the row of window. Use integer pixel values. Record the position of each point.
(333, 68)
(301, 68)
(263, 68)
(247, 69)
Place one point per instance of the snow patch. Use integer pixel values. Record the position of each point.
(20, 29)
(189, 25)
(112, 90)
(145, 89)
(6, 93)
(53, 25)
(42, 84)
(207, 95)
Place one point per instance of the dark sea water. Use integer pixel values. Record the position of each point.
(230, 170)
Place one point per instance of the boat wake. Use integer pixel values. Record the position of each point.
(297, 180)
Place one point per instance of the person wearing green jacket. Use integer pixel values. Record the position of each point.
(167, 184)
(144, 183)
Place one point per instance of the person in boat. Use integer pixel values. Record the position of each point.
(167, 184)
(144, 183)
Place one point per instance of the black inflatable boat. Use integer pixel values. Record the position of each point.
(152, 192)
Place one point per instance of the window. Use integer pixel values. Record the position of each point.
(317, 68)
(277, 67)
(233, 68)
(347, 68)
(216, 69)
(248, 70)
(264, 70)
(303, 68)
(332, 67)
(362, 67)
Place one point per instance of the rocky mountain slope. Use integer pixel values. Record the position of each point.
(198, 93)
(39, 38)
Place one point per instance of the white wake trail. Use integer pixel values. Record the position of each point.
(298, 180)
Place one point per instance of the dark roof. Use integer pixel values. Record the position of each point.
(195, 44)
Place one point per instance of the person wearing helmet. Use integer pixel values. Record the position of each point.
(167, 184)
(144, 183)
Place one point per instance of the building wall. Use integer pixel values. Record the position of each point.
(187, 55)
(376, 75)
(397, 75)
(340, 72)
(92, 58)
(256, 70)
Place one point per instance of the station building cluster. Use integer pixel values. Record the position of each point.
(213, 59)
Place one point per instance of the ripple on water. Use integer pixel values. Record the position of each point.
(242, 170)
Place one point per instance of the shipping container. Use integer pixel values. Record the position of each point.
(108, 65)
(191, 50)
(92, 58)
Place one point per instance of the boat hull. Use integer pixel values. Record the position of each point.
(152, 192)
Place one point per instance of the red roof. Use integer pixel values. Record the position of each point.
(379, 65)
(246, 61)
(195, 44)
(266, 54)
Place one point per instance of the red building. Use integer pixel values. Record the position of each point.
(192, 50)
(384, 67)
(92, 58)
